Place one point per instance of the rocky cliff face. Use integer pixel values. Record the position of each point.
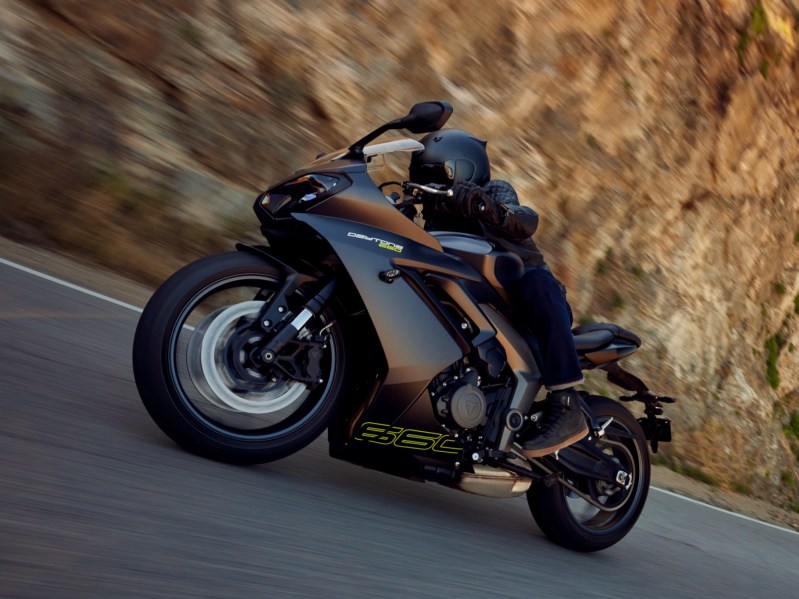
(657, 139)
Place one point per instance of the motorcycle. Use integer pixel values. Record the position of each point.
(402, 343)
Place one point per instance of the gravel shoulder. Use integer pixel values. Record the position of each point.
(121, 288)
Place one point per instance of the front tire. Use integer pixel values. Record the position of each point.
(572, 522)
(197, 367)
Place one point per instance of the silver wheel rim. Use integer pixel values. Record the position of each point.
(206, 361)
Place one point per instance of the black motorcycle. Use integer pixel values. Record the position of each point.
(401, 342)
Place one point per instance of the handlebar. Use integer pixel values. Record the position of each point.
(420, 194)
(431, 197)
(416, 187)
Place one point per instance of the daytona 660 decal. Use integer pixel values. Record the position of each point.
(381, 243)
(407, 438)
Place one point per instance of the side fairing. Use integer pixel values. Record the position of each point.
(416, 344)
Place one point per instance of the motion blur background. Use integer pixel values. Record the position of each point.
(658, 140)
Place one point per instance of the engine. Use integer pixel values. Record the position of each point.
(458, 400)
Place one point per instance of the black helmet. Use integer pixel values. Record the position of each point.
(449, 156)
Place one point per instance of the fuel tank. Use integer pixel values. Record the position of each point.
(500, 268)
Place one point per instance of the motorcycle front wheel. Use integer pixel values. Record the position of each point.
(601, 514)
(200, 374)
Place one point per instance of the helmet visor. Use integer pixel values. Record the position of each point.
(442, 174)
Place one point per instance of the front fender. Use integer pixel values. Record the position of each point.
(287, 263)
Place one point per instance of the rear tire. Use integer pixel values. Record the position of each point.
(211, 396)
(570, 521)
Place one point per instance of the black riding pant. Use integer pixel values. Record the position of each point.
(549, 316)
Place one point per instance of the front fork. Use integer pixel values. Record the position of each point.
(276, 312)
(282, 327)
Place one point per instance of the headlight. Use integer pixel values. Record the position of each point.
(302, 190)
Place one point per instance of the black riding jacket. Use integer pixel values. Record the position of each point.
(513, 234)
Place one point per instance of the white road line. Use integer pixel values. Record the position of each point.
(41, 275)
(720, 509)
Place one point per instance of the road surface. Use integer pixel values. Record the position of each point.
(96, 502)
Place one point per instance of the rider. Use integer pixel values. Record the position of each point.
(491, 209)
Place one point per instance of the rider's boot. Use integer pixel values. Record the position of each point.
(563, 424)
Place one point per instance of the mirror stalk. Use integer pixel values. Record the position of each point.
(356, 149)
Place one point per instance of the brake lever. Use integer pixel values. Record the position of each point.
(427, 189)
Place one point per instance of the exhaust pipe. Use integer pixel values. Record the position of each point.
(493, 482)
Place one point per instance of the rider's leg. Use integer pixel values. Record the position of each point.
(549, 316)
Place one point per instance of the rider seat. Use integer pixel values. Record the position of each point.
(597, 334)
(602, 343)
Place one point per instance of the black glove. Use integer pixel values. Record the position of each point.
(490, 212)
(469, 199)
(465, 197)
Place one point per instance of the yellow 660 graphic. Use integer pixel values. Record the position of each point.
(407, 438)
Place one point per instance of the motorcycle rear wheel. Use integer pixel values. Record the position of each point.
(572, 522)
(197, 368)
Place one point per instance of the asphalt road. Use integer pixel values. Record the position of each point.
(96, 502)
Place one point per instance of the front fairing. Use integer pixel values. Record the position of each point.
(359, 201)
(362, 203)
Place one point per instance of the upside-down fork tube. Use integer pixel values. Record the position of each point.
(312, 308)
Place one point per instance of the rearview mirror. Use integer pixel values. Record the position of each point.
(425, 117)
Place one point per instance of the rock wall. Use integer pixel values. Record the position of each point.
(657, 139)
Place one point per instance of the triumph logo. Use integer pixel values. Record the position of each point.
(381, 243)
(472, 406)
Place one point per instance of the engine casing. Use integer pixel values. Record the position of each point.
(460, 402)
